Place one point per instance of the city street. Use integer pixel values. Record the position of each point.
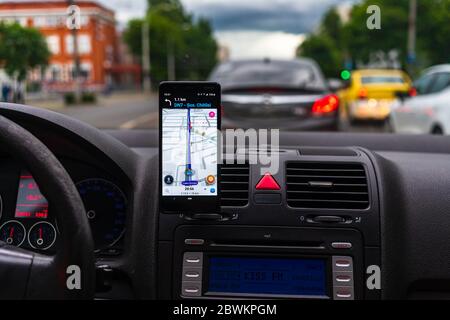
(128, 111)
(139, 111)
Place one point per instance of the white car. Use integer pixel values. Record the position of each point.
(427, 111)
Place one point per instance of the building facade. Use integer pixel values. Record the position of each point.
(96, 38)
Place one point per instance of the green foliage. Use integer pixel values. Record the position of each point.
(434, 29)
(324, 47)
(361, 42)
(172, 31)
(86, 97)
(332, 26)
(324, 51)
(354, 41)
(69, 98)
(21, 49)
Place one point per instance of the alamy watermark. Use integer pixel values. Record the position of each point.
(374, 20)
(73, 20)
(255, 147)
(73, 281)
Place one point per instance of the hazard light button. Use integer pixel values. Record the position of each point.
(267, 182)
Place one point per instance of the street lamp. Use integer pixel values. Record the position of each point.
(146, 66)
(412, 20)
(147, 84)
(76, 56)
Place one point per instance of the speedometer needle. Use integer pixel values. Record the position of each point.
(11, 232)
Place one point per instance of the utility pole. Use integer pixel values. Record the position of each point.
(147, 84)
(74, 25)
(412, 35)
(171, 73)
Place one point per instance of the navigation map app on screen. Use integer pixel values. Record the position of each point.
(189, 155)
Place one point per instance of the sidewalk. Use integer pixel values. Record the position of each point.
(57, 103)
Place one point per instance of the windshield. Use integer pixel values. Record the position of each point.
(335, 65)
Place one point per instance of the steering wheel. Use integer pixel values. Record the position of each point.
(70, 273)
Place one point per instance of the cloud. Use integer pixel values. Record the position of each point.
(299, 16)
(259, 44)
(126, 9)
(293, 16)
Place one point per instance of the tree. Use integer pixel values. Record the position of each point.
(433, 30)
(432, 26)
(361, 42)
(21, 49)
(323, 50)
(174, 33)
(331, 26)
(325, 45)
(355, 41)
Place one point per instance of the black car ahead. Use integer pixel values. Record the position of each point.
(284, 94)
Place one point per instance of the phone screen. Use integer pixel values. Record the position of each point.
(189, 123)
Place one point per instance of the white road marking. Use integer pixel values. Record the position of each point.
(131, 124)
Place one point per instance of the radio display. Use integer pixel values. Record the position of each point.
(267, 276)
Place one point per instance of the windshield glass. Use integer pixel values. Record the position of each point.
(293, 65)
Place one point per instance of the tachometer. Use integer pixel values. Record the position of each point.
(106, 207)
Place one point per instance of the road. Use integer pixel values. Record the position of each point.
(137, 111)
(133, 111)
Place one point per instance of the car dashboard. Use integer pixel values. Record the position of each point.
(348, 205)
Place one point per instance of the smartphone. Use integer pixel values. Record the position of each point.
(189, 124)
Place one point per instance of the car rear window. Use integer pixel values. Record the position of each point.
(382, 79)
(281, 74)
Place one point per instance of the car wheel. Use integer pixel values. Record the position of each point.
(437, 130)
(388, 127)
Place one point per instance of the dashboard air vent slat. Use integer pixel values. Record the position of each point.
(234, 185)
(327, 185)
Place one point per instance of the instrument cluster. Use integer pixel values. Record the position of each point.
(26, 218)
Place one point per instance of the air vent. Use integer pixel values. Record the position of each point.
(326, 185)
(234, 185)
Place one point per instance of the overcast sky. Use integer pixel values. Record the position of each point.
(249, 28)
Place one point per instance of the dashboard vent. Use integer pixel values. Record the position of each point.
(234, 185)
(326, 185)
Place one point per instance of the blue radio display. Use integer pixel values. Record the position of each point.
(267, 276)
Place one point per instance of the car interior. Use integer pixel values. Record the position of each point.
(355, 200)
(222, 157)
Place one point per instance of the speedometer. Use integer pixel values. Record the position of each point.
(106, 207)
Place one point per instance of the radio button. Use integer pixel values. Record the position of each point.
(194, 242)
(342, 263)
(191, 289)
(191, 259)
(341, 245)
(343, 293)
(343, 279)
(192, 274)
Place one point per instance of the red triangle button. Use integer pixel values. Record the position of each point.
(267, 183)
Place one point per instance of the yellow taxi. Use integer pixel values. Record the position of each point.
(370, 93)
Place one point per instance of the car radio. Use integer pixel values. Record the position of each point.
(240, 262)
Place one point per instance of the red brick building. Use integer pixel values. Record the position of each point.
(97, 40)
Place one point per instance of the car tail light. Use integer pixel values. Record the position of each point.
(412, 92)
(362, 93)
(327, 104)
